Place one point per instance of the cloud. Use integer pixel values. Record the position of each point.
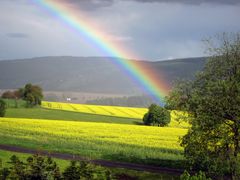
(194, 2)
(88, 4)
(150, 31)
(93, 4)
(17, 35)
(118, 38)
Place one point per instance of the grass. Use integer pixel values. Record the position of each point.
(139, 144)
(51, 114)
(66, 112)
(42, 113)
(12, 103)
(5, 156)
(130, 113)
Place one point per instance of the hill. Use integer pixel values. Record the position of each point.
(88, 74)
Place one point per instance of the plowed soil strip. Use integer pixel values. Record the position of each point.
(105, 163)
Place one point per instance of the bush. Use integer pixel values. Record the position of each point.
(32, 94)
(157, 115)
(8, 95)
(83, 170)
(198, 176)
(38, 167)
(2, 108)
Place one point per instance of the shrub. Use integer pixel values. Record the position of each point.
(157, 115)
(198, 176)
(43, 168)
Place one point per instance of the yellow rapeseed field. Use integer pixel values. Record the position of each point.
(117, 111)
(94, 140)
(129, 112)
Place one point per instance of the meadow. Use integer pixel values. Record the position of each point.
(100, 113)
(52, 114)
(121, 142)
(66, 113)
(94, 132)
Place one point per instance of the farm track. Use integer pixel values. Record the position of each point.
(112, 164)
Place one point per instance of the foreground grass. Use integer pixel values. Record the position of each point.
(5, 156)
(140, 144)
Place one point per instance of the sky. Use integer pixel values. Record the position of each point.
(150, 29)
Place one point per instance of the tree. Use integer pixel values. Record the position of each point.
(8, 95)
(32, 94)
(42, 168)
(36, 167)
(2, 108)
(11, 94)
(156, 115)
(212, 101)
(198, 176)
(84, 170)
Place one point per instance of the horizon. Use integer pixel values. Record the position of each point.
(140, 60)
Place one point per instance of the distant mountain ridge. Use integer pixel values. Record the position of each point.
(89, 74)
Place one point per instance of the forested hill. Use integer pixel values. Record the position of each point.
(88, 74)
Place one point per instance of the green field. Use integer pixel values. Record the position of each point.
(5, 156)
(41, 113)
(53, 114)
(11, 103)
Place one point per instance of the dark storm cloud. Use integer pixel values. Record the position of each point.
(197, 2)
(152, 29)
(17, 35)
(91, 4)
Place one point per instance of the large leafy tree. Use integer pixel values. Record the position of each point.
(213, 103)
(156, 115)
(32, 94)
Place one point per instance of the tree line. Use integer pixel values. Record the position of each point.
(44, 168)
(129, 101)
(31, 94)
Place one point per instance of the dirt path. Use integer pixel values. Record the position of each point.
(105, 163)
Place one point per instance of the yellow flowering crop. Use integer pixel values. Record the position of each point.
(94, 140)
(129, 112)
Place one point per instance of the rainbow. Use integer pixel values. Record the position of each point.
(156, 87)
